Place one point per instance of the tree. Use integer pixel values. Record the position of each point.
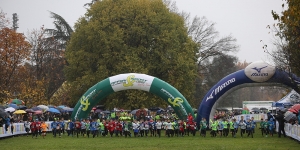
(287, 41)
(14, 51)
(46, 63)
(121, 36)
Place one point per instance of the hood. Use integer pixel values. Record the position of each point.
(271, 119)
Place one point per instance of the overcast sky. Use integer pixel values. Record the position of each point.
(246, 20)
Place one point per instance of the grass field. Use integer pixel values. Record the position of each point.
(151, 143)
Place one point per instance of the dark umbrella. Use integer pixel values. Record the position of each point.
(22, 107)
(255, 109)
(106, 112)
(3, 114)
(29, 110)
(98, 110)
(263, 108)
(3, 107)
(36, 108)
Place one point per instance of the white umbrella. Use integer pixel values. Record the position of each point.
(44, 107)
(10, 109)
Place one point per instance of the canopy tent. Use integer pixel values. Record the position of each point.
(289, 100)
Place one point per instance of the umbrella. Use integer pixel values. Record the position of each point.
(38, 112)
(134, 111)
(51, 106)
(296, 107)
(255, 109)
(36, 108)
(53, 110)
(98, 110)
(60, 109)
(15, 106)
(263, 108)
(44, 107)
(10, 109)
(106, 112)
(68, 109)
(16, 101)
(61, 106)
(29, 110)
(3, 107)
(22, 107)
(20, 112)
(3, 114)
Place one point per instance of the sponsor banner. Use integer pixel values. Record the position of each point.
(131, 81)
(257, 117)
(19, 129)
(290, 130)
(91, 98)
(260, 71)
(218, 90)
(173, 97)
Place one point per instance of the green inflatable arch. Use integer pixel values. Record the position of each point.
(132, 81)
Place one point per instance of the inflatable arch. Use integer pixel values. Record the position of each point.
(132, 81)
(256, 74)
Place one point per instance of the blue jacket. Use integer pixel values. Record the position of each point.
(271, 124)
(54, 124)
(70, 125)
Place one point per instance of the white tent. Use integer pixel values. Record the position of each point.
(290, 99)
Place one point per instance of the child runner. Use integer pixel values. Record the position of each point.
(93, 127)
(220, 127)
(34, 130)
(226, 126)
(111, 127)
(58, 129)
(266, 127)
(214, 125)
(181, 128)
(27, 127)
(102, 128)
(176, 128)
(158, 127)
(262, 126)
(192, 126)
(203, 126)
(142, 126)
(119, 128)
(249, 128)
(236, 127)
(44, 128)
(126, 129)
(271, 126)
(77, 127)
(168, 127)
(242, 125)
(135, 127)
(146, 128)
(88, 127)
(83, 128)
(70, 128)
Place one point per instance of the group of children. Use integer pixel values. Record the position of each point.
(95, 127)
(36, 127)
(223, 127)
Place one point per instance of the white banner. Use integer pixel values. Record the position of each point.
(257, 117)
(131, 81)
(291, 130)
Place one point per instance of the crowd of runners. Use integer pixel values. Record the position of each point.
(92, 128)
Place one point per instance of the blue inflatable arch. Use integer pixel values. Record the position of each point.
(256, 74)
